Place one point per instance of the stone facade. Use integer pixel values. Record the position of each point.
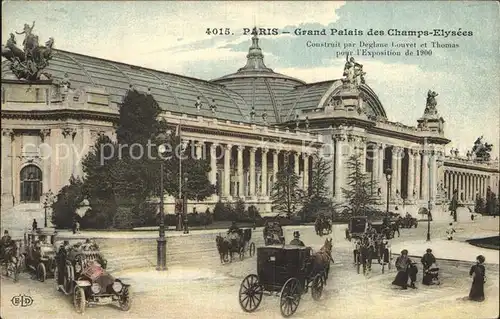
(49, 125)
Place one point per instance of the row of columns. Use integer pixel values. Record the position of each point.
(253, 190)
(468, 185)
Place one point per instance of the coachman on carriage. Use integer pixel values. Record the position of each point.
(273, 234)
(289, 271)
(11, 256)
(237, 241)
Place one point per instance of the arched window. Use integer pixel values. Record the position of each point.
(31, 184)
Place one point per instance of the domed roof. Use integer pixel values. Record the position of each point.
(260, 86)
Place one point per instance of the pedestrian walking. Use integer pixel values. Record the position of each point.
(450, 231)
(478, 274)
(34, 225)
(77, 227)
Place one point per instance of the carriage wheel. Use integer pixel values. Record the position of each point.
(290, 297)
(68, 280)
(317, 287)
(358, 263)
(41, 272)
(251, 250)
(250, 294)
(79, 300)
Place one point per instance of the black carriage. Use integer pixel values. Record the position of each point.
(12, 258)
(384, 228)
(356, 227)
(84, 276)
(322, 226)
(273, 234)
(284, 270)
(240, 244)
(40, 252)
(409, 222)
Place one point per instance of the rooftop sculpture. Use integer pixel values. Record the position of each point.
(28, 63)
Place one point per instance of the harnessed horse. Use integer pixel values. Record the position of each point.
(230, 244)
(321, 260)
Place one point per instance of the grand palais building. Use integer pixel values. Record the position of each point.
(246, 124)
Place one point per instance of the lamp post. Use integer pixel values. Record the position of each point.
(429, 204)
(184, 207)
(46, 204)
(388, 178)
(161, 241)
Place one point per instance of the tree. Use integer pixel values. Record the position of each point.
(67, 202)
(358, 195)
(287, 196)
(195, 182)
(454, 205)
(491, 205)
(479, 204)
(318, 200)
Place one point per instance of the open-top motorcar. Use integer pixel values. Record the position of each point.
(40, 252)
(84, 276)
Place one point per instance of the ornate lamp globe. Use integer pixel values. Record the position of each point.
(388, 174)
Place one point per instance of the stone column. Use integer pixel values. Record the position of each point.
(361, 144)
(394, 167)
(275, 165)
(339, 142)
(399, 161)
(381, 179)
(241, 181)
(416, 187)
(252, 172)
(433, 176)
(45, 154)
(7, 168)
(305, 186)
(227, 172)
(213, 163)
(296, 164)
(264, 171)
(411, 173)
(199, 149)
(68, 158)
(425, 175)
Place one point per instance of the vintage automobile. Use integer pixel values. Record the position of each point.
(40, 252)
(86, 279)
(282, 269)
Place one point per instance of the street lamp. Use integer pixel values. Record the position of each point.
(161, 241)
(388, 178)
(429, 204)
(47, 202)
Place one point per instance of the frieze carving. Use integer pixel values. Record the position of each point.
(69, 131)
(28, 63)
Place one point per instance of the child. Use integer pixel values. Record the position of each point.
(450, 231)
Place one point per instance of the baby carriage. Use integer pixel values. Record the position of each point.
(431, 276)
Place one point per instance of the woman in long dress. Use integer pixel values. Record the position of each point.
(402, 264)
(478, 273)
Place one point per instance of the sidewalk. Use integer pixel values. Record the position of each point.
(447, 249)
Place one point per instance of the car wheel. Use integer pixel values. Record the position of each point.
(79, 300)
(125, 300)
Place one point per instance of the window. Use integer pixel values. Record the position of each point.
(31, 184)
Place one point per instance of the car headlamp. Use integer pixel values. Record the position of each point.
(117, 286)
(96, 288)
(78, 268)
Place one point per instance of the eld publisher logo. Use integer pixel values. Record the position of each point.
(22, 301)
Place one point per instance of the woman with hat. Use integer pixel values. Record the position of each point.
(296, 239)
(403, 263)
(478, 273)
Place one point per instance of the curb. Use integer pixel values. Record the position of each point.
(447, 259)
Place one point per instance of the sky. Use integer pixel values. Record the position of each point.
(171, 36)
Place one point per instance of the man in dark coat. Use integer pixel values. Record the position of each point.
(428, 259)
(61, 262)
(34, 225)
(296, 240)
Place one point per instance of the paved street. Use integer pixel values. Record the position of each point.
(207, 289)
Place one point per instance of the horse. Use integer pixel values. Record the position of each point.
(12, 257)
(321, 260)
(366, 253)
(223, 247)
(321, 225)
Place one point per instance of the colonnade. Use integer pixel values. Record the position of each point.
(468, 184)
(248, 171)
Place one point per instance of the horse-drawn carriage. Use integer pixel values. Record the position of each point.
(386, 229)
(273, 234)
(322, 226)
(84, 277)
(366, 251)
(40, 252)
(409, 222)
(289, 271)
(356, 227)
(11, 258)
(238, 242)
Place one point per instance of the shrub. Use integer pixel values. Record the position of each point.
(67, 201)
